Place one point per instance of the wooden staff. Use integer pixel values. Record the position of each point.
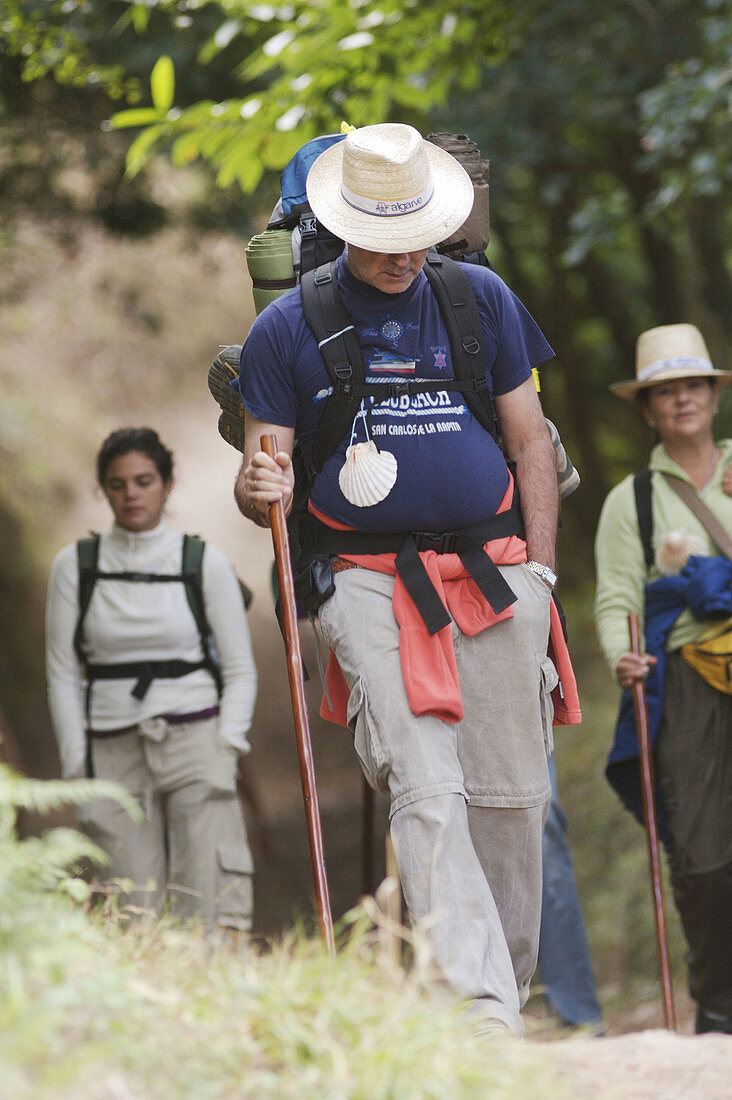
(295, 672)
(649, 815)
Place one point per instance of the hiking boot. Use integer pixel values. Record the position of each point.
(712, 1021)
(222, 372)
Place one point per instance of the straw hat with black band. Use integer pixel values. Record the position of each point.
(385, 189)
(666, 353)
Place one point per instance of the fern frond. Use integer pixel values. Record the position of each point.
(43, 795)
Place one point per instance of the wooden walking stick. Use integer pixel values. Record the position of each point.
(296, 677)
(649, 815)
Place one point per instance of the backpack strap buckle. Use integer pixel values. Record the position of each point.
(399, 389)
(429, 540)
(308, 225)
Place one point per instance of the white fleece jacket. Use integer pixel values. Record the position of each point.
(137, 621)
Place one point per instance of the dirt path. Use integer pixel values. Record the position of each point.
(649, 1065)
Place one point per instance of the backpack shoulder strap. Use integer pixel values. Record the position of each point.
(317, 244)
(644, 507)
(460, 315)
(337, 341)
(87, 556)
(192, 575)
(191, 572)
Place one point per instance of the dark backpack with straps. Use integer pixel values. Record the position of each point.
(146, 671)
(338, 343)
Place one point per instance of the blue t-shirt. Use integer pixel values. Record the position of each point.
(450, 472)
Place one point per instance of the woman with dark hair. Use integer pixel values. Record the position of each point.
(152, 684)
(660, 552)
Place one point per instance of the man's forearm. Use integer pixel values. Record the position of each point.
(536, 478)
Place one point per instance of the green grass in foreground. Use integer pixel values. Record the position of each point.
(92, 1006)
(92, 1010)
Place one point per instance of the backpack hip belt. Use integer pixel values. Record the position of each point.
(322, 541)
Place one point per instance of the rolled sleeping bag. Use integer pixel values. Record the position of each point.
(269, 260)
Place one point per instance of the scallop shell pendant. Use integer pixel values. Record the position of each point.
(367, 475)
(675, 550)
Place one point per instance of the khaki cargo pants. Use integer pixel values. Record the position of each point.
(192, 843)
(468, 799)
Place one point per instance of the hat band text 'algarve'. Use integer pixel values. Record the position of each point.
(692, 363)
(388, 208)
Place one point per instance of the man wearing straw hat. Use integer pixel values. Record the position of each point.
(446, 689)
(662, 549)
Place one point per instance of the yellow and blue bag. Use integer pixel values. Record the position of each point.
(711, 656)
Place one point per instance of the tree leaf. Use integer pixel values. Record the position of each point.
(162, 84)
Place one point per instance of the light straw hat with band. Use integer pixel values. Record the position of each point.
(668, 352)
(384, 188)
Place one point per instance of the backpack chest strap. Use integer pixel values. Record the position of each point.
(144, 672)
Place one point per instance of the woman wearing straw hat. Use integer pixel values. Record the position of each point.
(655, 556)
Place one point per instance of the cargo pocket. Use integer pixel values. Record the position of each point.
(549, 678)
(368, 741)
(221, 765)
(234, 893)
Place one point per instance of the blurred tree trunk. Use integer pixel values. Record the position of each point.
(22, 678)
(708, 221)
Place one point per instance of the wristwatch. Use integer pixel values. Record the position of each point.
(548, 575)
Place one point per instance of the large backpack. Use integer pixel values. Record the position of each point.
(144, 672)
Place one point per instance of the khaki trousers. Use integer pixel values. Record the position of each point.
(192, 843)
(467, 799)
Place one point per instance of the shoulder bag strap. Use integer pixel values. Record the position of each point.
(705, 516)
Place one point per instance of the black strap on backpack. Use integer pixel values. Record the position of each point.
(338, 344)
(87, 555)
(643, 506)
(192, 572)
(317, 244)
(460, 315)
